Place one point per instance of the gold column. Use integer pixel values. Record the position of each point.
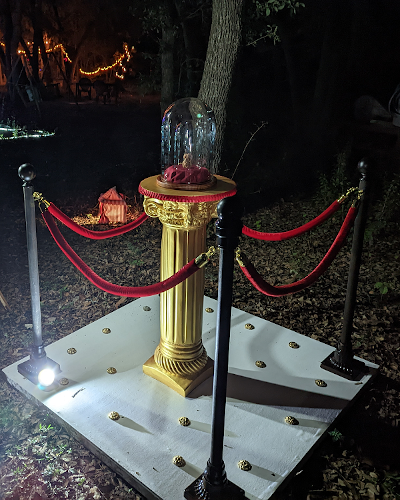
(180, 360)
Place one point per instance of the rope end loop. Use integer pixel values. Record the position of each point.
(204, 258)
(241, 258)
(357, 200)
(350, 191)
(39, 198)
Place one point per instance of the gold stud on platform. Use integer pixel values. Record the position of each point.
(249, 326)
(179, 461)
(71, 350)
(260, 364)
(111, 370)
(64, 381)
(114, 415)
(106, 330)
(294, 345)
(291, 420)
(209, 310)
(244, 465)
(184, 421)
(321, 383)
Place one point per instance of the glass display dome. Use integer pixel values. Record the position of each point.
(187, 144)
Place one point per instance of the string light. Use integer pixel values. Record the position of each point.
(22, 134)
(104, 68)
(60, 46)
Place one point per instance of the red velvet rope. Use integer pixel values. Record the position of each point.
(278, 291)
(286, 235)
(95, 235)
(124, 291)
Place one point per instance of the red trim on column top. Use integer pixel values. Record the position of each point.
(223, 188)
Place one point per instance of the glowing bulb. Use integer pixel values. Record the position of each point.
(46, 377)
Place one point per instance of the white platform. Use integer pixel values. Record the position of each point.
(140, 446)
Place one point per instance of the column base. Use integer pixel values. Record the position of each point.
(183, 385)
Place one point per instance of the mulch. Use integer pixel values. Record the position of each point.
(97, 147)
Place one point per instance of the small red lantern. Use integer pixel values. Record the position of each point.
(113, 207)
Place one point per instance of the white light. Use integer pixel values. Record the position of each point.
(46, 377)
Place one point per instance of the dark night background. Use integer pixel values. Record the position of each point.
(302, 86)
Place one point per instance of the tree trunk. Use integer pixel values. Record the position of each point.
(12, 36)
(38, 44)
(37, 35)
(222, 52)
(75, 58)
(10, 16)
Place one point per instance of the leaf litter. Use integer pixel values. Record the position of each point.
(40, 460)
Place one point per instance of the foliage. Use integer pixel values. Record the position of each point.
(157, 15)
(336, 435)
(153, 16)
(385, 211)
(135, 253)
(383, 287)
(259, 22)
(90, 37)
(337, 183)
(269, 7)
(151, 82)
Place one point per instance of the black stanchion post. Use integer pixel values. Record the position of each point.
(342, 360)
(39, 369)
(213, 484)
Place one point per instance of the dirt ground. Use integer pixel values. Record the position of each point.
(98, 146)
